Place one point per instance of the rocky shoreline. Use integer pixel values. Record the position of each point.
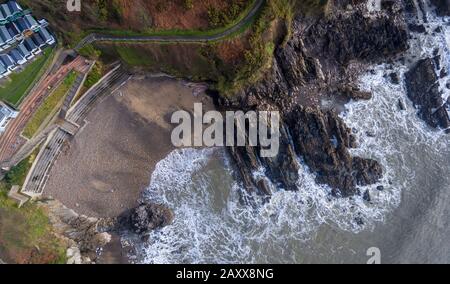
(321, 61)
(312, 76)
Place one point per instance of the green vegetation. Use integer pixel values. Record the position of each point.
(94, 76)
(48, 107)
(201, 61)
(19, 84)
(89, 51)
(313, 6)
(26, 234)
(258, 57)
(188, 4)
(215, 30)
(222, 18)
(18, 174)
(134, 56)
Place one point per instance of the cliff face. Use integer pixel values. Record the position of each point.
(320, 63)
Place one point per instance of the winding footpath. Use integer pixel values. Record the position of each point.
(97, 37)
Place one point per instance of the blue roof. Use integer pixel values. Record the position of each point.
(29, 44)
(23, 50)
(12, 29)
(14, 7)
(6, 11)
(37, 39)
(15, 55)
(4, 34)
(21, 24)
(30, 20)
(2, 68)
(6, 60)
(44, 34)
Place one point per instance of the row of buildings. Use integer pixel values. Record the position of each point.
(10, 11)
(22, 37)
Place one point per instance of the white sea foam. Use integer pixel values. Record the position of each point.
(211, 224)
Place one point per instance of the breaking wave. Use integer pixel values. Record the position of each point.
(212, 226)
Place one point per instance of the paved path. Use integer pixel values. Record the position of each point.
(39, 173)
(94, 37)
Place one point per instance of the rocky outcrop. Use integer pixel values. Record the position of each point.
(423, 90)
(322, 60)
(322, 140)
(355, 36)
(84, 235)
(442, 7)
(145, 218)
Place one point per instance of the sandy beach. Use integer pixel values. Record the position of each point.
(106, 167)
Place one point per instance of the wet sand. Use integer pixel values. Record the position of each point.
(106, 167)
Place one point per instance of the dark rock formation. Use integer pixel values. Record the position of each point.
(344, 38)
(423, 90)
(146, 217)
(322, 60)
(442, 7)
(322, 139)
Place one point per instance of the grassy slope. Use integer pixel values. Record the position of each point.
(25, 234)
(49, 105)
(19, 84)
(202, 61)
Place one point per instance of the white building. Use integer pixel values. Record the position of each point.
(6, 114)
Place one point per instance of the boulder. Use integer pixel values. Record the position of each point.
(147, 217)
(423, 90)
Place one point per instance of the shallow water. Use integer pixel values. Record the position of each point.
(408, 220)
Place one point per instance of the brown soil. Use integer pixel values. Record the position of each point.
(135, 15)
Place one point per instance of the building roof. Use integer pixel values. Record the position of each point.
(23, 50)
(2, 68)
(21, 24)
(37, 39)
(45, 34)
(29, 44)
(6, 60)
(14, 7)
(4, 34)
(16, 55)
(31, 21)
(12, 29)
(6, 11)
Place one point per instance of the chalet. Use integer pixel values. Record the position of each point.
(31, 22)
(31, 46)
(17, 57)
(22, 37)
(46, 36)
(7, 61)
(37, 39)
(6, 114)
(6, 12)
(5, 37)
(14, 31)
(24, 51)
(4, 71)
(21, 25)
(15, 8)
